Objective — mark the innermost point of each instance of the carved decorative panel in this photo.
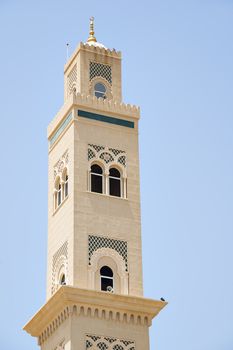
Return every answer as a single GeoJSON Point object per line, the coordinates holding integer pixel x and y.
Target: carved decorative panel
{"type": "Point", "coordinates": [101, 70]}
{"type": "Point", "coordinates": [106, 154]}
{"type": "Point", "coordinates": [94, 342]}
{"type": "Point", "coordinates": [59, 258]}
{"type": "Point", "coordinates": [61, 164]}
{"type": "Point", "coordinates": [97, 242]}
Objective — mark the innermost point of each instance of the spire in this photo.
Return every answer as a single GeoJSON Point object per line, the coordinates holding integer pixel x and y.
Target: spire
{"type": "Point", "coordinates": [91, 33]}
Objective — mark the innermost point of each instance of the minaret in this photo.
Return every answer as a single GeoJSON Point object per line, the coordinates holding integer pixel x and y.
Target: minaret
{"type": "Point", "coordinates": [94, 275]}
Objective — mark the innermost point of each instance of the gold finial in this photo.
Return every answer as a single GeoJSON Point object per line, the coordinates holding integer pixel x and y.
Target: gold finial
{"type": "Point", "coordinates": [91, 33]}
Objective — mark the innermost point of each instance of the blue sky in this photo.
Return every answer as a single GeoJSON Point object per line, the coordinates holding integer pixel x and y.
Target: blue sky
{"type": "Point", "coordinates": [177, 65]}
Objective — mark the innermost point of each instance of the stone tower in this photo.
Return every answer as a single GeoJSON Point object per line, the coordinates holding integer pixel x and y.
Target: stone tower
{"type": "Point", "coordinates": [94, 275]}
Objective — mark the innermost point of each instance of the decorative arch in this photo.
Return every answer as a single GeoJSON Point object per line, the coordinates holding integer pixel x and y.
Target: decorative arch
{"type": "Point", "coordinates": [111, 258]}
{"type": "Point", "coordinates": [99, 79]}
{"type": "Point", "coordinates": [115, 181]}
{"type": "Point", "coordinates": [57, 194]}
{"type": "Point", "coordinates": [117, 166]}
{"type": "Point", "coordinates": [108, 158]}
{"type": "Point", "coordinates": [57, 182]}
{"type": "Point", "coordinates": [65, 182]}
{"type": "Point", "coordinates": [60, 173]}
{"type": "Point", "coordinates": [96, 177]}
{"type": "Point", "coordinates": [97, 162]}
{"type": "Point", "coordinates": [60, 268]}
{"type": "Point", "coordinates": [65, 172]}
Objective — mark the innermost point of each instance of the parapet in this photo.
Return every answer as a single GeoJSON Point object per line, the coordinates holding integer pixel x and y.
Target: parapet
{"type": "Point", "coordinates": [95, 49]}
{"type": "Point", "coordinates": [93, 103]}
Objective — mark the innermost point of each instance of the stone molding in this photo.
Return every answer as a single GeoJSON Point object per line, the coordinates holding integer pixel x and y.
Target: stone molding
{"type": "Point", "coordinates": [69, 301]}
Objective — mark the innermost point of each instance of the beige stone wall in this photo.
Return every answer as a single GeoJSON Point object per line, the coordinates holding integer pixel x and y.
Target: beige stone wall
{"type": "Point", "coordinates": [85, 213]}
{"type": "Point", "coordinates": [85, 325]}
{"type": "Point", "coordinates": [72, 333]}
{"type": "Point", "coordinates": [61, 221]}
{"type": "Point", "coordinates": [102, 215]}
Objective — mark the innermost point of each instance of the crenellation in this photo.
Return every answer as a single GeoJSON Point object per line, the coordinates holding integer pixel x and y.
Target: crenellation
{"type": "Point", "coordinates": [112, 105]}
{"type": "Point", "coordinates": [80, 100]}
{"type": "Point", "coordinates": [100, 50]}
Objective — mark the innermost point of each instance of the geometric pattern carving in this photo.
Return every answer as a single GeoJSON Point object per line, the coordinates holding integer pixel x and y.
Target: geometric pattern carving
{"type": "Point", "coordinates": [100, 70]}
{"type": "Point", "coordinates": [59, 258]}
{"type": "Point", "coordinates": [107, 157]}
{"type": "Point", "coordinates": [106, 154]}
{"type": "Point", "coordinates": [122, 160]}
{"type": "Point", "coordinates": [63, 250]}
{"type": "Point", "coordinates": [94, 342]}
{"type": "Point", "coordinates": [61, 346]}
{"type": "Point", "coordinates": [97, 242]}
{"type": "Point", "coordinates": [72, 79]}
{"type": "Point", "coordinates": [116, 151]}
{"type": "Point", "coordinates": [61, 164]}
{"type": "Point", "coordinates": [97, 148]}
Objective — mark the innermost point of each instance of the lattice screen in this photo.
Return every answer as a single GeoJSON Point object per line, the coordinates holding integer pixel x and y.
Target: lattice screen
{"type": "Point", "coordinates": [97, 242]}
{"type": "Point", "coordinates": [61, 252]}
{"type": "Point", "coordinates": [106, 157]}
{"type": "Point", "coordinates": [97, 148]}
{"type": "Point", "coordinates": [61, 164]}
{"type": "Point", "coordinates": [116, 151]}
{"type": "Point", "coordinates": [101, 70]}
{"type": "Point", "coordinates": [72, 78]}
{"type": "Point", "coordinates": [105, 343]}
{"type": "Point", "coordinates": [108, 154]}
{"type": "Point", "coordinates": [61, 346]}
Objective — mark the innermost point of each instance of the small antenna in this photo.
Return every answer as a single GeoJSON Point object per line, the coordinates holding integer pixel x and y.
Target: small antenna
{"type": "Point", "coordinates": [67, 51]}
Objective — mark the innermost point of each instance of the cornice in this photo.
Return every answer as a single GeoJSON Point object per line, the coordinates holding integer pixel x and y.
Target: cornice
{"type": "Point", "coordinates": [92, 102]}
{"type": "Point", "coordinates": [69, 300]}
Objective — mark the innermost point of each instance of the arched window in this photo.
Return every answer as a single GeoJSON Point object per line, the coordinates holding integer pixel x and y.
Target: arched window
{"type": "Point", "coordinates": [106, 276]}
{"type": "Point", "coordinates": [66, 186]}
{"type": "Point", "coordinates": [96, 178]}
{"type": "Point", "coordinates": [114, 182]}
{"type": "Point", "coordinates": [100, 90]}
{"type": "Point", "coordinates": [59, 195]}
{"type": "Point", "coordinates": [62, 280]}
